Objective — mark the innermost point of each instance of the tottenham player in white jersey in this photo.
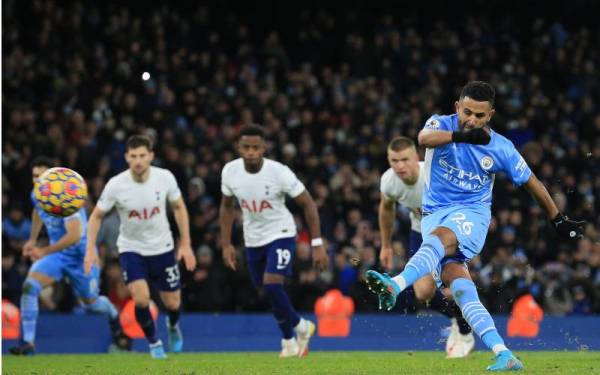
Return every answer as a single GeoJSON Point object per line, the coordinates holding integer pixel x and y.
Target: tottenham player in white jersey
{"type": "Point", "coordinates": [402, 183]}
{"type": "Point", "coordinates": [146, 247]}
{"type": "Point", "coordinates": [260, 186]}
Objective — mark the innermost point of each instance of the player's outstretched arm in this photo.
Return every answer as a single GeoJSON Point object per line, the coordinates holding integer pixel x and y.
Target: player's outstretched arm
{"type": "Point", "coordinates": [185, 243]}
{"type": "Point", "coordinates": [386, 213]}
{"type": "Point", "coordinates": [36, 227]}
{"type": "Point", "coordinates": [226, 217]}
{"type": "Point", "coordinates": [567, 228]}
{"type": "Point", "coordinates": [71, 237]}
{"type": "Point", "coordinates": [92, 233]}
{"type": "Point", "coordinates": [311, 214]}
{"type": "Point", "coordinates": [435, 138]}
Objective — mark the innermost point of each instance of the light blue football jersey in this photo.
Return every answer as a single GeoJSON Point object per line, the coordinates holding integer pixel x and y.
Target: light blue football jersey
{"type": "Point", "coordinates": [462, 173]}
{"type": "Point", "coordinates": [55, 226]}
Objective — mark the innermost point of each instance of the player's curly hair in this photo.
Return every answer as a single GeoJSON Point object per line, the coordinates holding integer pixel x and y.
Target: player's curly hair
{"type": "Point", "coordinates": [480, 91]}
{"type": "Point", "coordinates": [252, 130]}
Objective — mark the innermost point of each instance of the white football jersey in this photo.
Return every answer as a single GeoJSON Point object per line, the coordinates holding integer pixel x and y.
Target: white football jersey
{"type": "Point", "coordinates": [409, 196]}
{"type": "Point", "coordinates": [262, 199]}
{"type": "Point", "coordinates": [142, 208]}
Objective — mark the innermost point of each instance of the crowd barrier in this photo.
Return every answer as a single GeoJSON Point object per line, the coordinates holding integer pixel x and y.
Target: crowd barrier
{"type": "Point", "coordinates": [64, 333]}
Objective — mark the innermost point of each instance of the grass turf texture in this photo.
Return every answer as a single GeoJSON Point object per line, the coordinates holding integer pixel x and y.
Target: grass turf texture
{"type": "Point", "coordinates": [316, 363]}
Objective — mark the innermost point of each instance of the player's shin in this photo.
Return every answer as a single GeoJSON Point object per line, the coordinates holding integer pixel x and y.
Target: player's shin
{"type": "Point", "coordinates": [103, 306]}
{"type": "Point", "coordinates": [465, 295]}
{"type": "Point", "coordinates": [173, 317]}
{"type": "Point", "coordinates": [144, 319]}
{"type": "Point", "coordinates": [285, 314]}
{"type": "Point", "coordinates": [425, 261]}
{"type": "Point", "coordinates": [29, 308]}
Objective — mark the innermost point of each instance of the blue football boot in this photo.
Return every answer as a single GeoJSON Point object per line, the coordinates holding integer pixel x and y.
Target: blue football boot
{"type": "Point", "coordinates": [386, 289]}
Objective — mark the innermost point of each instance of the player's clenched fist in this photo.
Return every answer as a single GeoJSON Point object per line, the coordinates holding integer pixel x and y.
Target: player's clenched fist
{"type": "Point", "coordinates": [567, 228]}
{"type": "Point", "coordinates": [229, 256]}
{"type": "Point", "coordinates": [477, 136]}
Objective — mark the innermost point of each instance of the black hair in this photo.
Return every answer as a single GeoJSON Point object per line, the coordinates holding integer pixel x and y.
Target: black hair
{"type": "Point", "coordinates": [479, 91]}
{"type": "Point", "coordinates": [42, 161]}
{"type": "Point", "coordinates": [136, 141]}
{"type": "Point", "coordinates": [252, 130]}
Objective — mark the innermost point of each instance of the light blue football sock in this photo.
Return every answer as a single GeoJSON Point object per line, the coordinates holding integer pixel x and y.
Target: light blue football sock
{"type": "Point", "coordinates": [103, 306]}
{"type": "Point", "coordinates": [29, 308]}
{"type": "Point", "coordinates": [425, 260]}
{"type": "Point", "coordinates": [465, 295]}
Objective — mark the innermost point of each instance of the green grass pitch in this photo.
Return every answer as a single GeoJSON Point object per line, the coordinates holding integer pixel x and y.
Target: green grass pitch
{"type": "Point", "coordinates": [387, 363]}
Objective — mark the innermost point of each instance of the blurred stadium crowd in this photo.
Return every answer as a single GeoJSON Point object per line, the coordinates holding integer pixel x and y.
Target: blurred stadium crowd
{"type": "Point", "coordinates": [331, 87]}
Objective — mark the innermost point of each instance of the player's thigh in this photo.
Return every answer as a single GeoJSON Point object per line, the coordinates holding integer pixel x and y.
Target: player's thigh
{"type": "Point", "coordinates": [454, 270]}
{"type": "Point", "coordinates": [47, 270]}
{"type": "Point", "coordinates": [280, 257]}
{"type": "Point", "coordinates": [140, 292]}
{"type": "Point", "coordinates": [256, 258]}
{"type": "Point", "coordinates": [134, 267]}
{"type": "Point", "coordinates": [171, 300]}
{"type": "Point", "coordinates": [164, 271]}
{"type": "Point", "coordinates": [85, 286]}
{"type": "Point", "coordinates": [425, 288]}
{"type": "Point", "coordinates": [470, 225]}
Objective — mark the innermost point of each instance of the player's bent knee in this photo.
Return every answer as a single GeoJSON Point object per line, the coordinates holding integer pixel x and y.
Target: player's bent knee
{"type": "Point", "coordinates": [32, 286]}
{"type": "Point", "coordinates": [424, 289]}
{"type": "Point", "coordinates": [171, 300]}
{"type": "Point", "coordinates": [89, 301]}
{"type": "Point", "coordinates": [424, 294]}
{"type": "Point", "coordinates": [453, 271]}
{"type": "Point", "coordinates": [447, 238]}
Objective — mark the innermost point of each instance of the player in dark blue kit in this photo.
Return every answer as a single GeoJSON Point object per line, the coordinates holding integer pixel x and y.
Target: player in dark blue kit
{"type": "Point", "coordinates": [63, 257]}
{"type": "Point", "coordinates": [463, 154]}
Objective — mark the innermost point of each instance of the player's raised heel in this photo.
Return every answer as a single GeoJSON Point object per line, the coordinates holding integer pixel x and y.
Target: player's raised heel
{"type": "Point", "coordinates": [506, 361]}
{"type": "Point", "coordinates": [157, 351]}
{"type": "Point", "coordinates": [24, 348]}
{"type": "Point", "coordinates": [304, 338]}
{"type": "Point", "coordinates": [175, 338]}
{"type": "Point", "coordinates": [384, 287]}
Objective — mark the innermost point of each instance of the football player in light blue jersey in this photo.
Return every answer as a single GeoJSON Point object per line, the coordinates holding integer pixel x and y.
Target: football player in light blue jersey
{"type": "Point", "coordinates": [63, 257]}
{"type": "Point", "coordinates": [463, 155]}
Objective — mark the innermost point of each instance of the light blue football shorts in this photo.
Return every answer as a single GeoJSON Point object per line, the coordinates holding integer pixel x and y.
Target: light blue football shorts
{"type": "Point", "coordinates": [469, 222]}
{"type": "Point", "coordinates": [60, 265]}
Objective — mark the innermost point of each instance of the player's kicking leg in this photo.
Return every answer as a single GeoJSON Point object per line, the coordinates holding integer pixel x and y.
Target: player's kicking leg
{"type": "Point", "coordinates": [429, 291]}
{"type": "Point", "coordinates": [135, 273]}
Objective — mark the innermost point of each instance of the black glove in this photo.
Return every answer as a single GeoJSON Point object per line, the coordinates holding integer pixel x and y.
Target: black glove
{"type": "Point", "coordinates": [476, 136]}
{"type": "Point", "coordinates": [568, 228]}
